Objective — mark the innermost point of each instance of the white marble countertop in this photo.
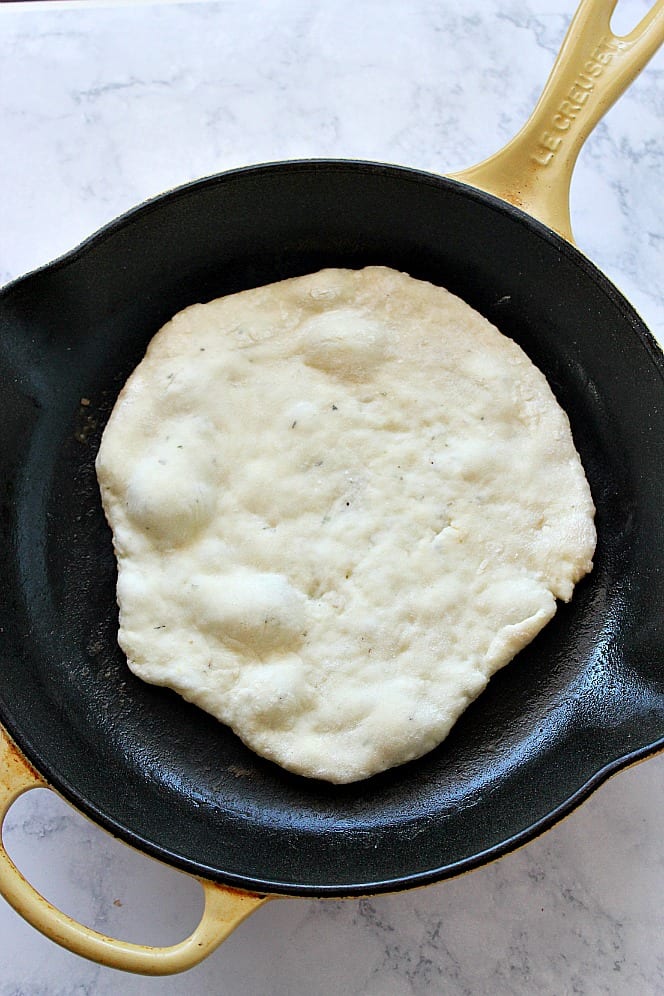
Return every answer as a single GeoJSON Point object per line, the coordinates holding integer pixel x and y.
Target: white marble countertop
{"type": "Point", "coordinates": [102, 106]}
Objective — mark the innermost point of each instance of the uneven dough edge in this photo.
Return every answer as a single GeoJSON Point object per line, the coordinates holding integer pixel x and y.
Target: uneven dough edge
{"type": "Point", "coordinates": [306, 759]}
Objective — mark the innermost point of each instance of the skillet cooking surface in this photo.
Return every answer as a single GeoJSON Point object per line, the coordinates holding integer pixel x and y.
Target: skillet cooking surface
{"type": "Point", "coordinates": [586, 697]}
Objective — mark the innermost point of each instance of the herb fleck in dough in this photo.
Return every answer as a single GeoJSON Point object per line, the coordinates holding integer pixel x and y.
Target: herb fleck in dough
{"type": "Point", "coordinates": [339, 504]}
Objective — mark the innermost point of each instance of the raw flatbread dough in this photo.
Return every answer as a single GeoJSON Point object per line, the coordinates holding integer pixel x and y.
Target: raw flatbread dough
{"type": "Point", "coordinates": [339, 504]}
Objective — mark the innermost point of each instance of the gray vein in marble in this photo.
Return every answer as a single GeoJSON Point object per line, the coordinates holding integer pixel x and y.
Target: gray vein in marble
{"type": "Point", "coordinates": [94, 93]}
{"type": "Point", "coordinates": [547, 31]}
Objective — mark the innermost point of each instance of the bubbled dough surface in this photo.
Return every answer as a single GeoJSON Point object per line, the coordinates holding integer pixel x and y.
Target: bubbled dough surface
{"type": "Point", "coordinates": [339, 504]}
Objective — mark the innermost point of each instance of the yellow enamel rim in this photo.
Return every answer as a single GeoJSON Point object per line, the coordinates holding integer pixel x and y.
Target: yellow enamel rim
{"type": "Point", "coordinates": [533, 172]}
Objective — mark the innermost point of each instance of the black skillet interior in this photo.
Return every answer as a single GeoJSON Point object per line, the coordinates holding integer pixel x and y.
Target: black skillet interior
{"type": "Point", "coordinates": [586, 697]}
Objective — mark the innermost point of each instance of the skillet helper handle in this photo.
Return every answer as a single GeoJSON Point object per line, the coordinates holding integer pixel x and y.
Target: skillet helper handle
{"type": "Point", "coordinates": [224, 908]}
{"type": "Point", "coordinates": [594, 66]}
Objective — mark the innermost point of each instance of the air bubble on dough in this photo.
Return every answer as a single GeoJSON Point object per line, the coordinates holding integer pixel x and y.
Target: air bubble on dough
{"type": "Point", "coordinates": [171, 492]}
{"type": "Point", "coordinates": [262, 610]}
{"type": "Point", "coordinates": [343, 342]}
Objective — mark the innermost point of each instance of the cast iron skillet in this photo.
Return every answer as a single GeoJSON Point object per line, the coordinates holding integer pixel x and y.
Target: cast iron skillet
{"type": "Point", "coordinates": [586, 698]}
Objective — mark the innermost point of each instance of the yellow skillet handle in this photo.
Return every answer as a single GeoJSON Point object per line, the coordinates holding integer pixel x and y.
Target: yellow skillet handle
{"type": "Point", "coordinates": [593, 68]}
{"type": "Point", "coordinates": [224, 908]}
